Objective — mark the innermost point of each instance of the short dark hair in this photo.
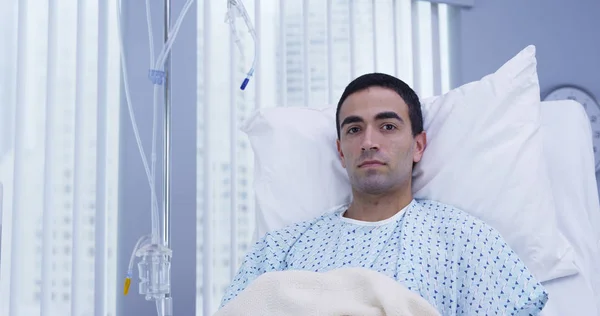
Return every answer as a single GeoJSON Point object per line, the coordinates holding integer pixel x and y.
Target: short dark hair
{"type": "Point", "coordinates": [386, 81]}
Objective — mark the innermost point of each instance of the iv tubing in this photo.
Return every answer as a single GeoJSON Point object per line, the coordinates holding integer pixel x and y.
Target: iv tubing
{"type": "Point", "coordinates": [158, 65]}
{"type": "Point", "coordinates": [242, 11]}
{"type": "Point", "coordinates": [154, 209]}
{"type": "Point", "coordinates": [150, 172]}
{"type": "Point", "coordinates": [140, 243]}
{"type": "Point", "coordinates": [155, 232]}
{"type": "Point", "coordinates": [162, 57]}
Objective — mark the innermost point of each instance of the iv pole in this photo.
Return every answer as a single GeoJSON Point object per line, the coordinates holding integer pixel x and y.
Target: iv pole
{"type": "Point", "coordinates": [167, 135]}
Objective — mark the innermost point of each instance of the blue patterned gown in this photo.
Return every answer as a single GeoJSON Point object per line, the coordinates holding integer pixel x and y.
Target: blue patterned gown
{"type": "Point", "coordinates": [457, 263]}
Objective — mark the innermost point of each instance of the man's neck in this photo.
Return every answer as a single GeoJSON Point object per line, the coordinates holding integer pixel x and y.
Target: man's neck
{"type": "Point", "coordinates": [373, 208]}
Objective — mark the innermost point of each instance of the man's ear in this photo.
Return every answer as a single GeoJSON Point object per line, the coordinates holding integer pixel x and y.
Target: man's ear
{"type": "Point", "coordinates": [420, 144]}
{"type": "Point", "coordinates": [340, 153]}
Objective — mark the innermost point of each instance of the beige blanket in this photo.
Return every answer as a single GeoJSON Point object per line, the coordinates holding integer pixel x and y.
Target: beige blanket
{"type": "Point", "coordinates": [346, 291]}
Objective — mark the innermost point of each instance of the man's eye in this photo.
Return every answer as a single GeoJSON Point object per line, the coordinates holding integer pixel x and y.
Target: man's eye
{"type": "Point", "coordinates": [353, 130]}
{"type": "Point", "coordinates": [389, 127]}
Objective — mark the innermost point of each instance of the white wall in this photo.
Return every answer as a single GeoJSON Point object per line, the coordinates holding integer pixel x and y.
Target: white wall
{"type": "Point", "coordinates": [564, 32]}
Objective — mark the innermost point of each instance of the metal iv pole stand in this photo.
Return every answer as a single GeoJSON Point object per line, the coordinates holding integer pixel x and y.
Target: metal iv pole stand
{"type": "Point", "coordinates": [167, 137]}
{"type": "Point", "coordinates": [167, 133]}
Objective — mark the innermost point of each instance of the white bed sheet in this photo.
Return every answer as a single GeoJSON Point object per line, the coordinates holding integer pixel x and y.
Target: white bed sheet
{"type": "Point", "coordinates": [568, 146]}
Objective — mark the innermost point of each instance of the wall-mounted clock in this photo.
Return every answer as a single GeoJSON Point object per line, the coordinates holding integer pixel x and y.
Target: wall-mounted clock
{"type": "Point", "coordinates": [591, 106]}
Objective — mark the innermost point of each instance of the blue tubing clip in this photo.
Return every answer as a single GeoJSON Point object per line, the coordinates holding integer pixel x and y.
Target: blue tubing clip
{"type": "Point", "coordinates": [245, 83]}
{"type": "Point", "coordinates": [156, 76]}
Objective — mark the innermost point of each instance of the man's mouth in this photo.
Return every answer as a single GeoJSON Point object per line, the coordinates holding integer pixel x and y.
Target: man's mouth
{"type": "Point", "coordinates": [370, 163]}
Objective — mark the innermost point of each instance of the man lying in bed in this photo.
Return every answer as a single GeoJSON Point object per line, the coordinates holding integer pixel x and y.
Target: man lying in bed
{"type": "Point", "coordinates": [457, 263]}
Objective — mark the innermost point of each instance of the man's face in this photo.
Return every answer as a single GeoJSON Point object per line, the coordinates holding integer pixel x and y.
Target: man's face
{"type": "Point", "coordinates": [376, 144]}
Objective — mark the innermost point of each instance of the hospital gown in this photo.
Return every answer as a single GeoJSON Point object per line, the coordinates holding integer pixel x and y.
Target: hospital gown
{"type": "Point", "coordinates": [457, 263]}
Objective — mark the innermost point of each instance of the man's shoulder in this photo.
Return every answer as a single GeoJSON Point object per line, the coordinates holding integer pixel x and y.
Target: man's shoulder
{"type": "Point", "coordinates": [449, 228]}
{"type": "Point", "coordinates": [449, 217]}
{"type": "Point", "coordinates": [435, 209]}
{"type": "Point", "coordinates": [300, 227]}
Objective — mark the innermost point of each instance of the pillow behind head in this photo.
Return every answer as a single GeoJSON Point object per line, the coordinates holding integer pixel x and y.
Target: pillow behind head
{"type": "Point", "coordinates": [298, 174]}
{"type": "Point", "coordinates": [484, 155]}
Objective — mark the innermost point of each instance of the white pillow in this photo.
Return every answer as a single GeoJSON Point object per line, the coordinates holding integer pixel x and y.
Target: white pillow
{"type": "Point", "coordinates": [484, 155]}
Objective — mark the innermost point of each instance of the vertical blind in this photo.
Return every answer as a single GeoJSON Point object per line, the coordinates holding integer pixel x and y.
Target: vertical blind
{"type": "Point", "coordinates": [308, 51]}
{"type": "Point", "coordinates": [59, 140]}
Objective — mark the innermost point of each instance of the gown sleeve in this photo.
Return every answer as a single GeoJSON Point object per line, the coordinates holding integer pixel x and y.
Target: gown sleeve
{"type": "Point", "coordinates": [493, 279]}
{"type": "Point", "coordinates": [267, 255]}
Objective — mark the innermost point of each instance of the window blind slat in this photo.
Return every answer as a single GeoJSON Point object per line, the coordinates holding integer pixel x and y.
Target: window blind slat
{"type": "Point", "coordinates": [207, 216]}
{"type": "Point", "coordinates": [19, 213]}
{"type": "Point", "coordinates": [258, 74]}
{"type": "Point", "coordinates": [329, 52]}
{"type": "Point", "coordinates": [78, 238]}
{"type": "Point", "coordinates": [435, 36]}
{"type": "Point", "coordinates": [352, 23]}
{"type": "Point", "coordinates": [233, 128]}
{"type": "Point", "coordinates": [282, 54]}
{"type": "Point", "coordinates": [416, 58]}
{"type": "Point", "coordinates": [375, 37]}
{"type": "Point", "coordinates": [49, 164]}
{"type": "Point", "coordinates": [100, 255]}
{"type": "Point", "coordinates": [305, 51]}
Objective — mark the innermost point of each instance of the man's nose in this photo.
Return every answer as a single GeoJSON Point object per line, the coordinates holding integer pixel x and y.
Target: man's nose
{"type": "Point", "coordinates": [369, 141]}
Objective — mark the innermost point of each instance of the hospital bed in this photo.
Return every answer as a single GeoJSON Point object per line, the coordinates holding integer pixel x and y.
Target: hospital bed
{"type": "Point", "coordinates": [526, 169]}
{"type": "Point", "coordinates": [568, 148]}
